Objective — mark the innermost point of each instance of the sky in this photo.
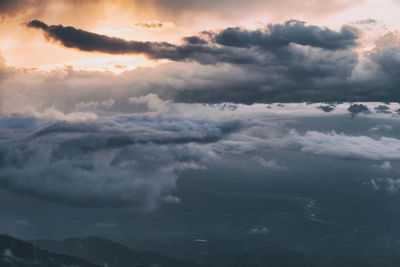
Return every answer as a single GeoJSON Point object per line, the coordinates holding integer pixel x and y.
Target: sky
{"type": "Point", "coordinates": [258, 118]}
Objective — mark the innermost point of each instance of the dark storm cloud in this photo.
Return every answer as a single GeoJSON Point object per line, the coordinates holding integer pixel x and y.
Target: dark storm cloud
{"type": "Point", "coordinates": [280, 35]}
{"type": "Point", "coordinates": [358, 108]}
{"type": "Point", "coordinates": [194, 40]}
{"type": "Point", "coordinates": [87, 41]}
{"type": "Point", "coordinates": [254, 43]}
{"type": "Point", "coordinates": [121, 161]}
{"type": "Point", "coordinates": [289, 62]}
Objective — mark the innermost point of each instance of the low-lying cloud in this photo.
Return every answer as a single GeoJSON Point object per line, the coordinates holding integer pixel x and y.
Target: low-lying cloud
{"type": "Point", "coordinates": [121, 161]}
{"type": "Point", "coordinates": [344, 146]}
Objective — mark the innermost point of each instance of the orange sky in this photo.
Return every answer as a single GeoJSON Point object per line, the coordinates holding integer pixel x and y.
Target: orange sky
{"type": "Point", "coordinates": [27, 48]}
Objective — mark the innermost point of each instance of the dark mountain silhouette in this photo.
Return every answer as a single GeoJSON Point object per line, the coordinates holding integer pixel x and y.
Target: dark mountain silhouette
{"type": "Point", "coordinates": [17, 253]}
{"type": "Point", "coordinates": [109, 253]}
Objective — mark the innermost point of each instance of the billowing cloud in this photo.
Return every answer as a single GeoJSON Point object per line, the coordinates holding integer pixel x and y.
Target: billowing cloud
{"type": "Point", "coordinates": [133, 160]}
{"type": "Point", "coordinates": [121, 161]}
{"type": "Point", "coordinates": [289, 62]}
{"type": "Point", "coordinates": [281, 35]}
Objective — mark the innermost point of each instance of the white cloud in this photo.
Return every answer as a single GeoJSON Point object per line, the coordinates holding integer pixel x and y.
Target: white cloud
{"type": "Point", "coordinates": [341, 145]}
{"type": "Point", "coordinates": [171, 199]}
{"type": "Point", "coordinates": [152, 102]}
{"type": "Point", "coordinates": [384, 166]}
{"type": "Point", "coordinates": [389, 185]}
{"type": "Point", "coordinates": [272, 164]}
{"type": "Point", "coordinates": [379, 127]}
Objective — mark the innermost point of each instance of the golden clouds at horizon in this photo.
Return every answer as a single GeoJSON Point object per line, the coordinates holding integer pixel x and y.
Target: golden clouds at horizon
{"type": "Point", "coordinates": [132, 20]}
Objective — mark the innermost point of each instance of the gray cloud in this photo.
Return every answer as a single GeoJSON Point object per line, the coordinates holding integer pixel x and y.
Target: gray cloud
{"type": "Point", "coordinates": [280, 35]}
{"type": "Point", "coordinates": [365, 21]}
{"type": "Point", "coordinates": [121, 161]}
{"type": "Point", "coordinates": [133, 160]}
{"type": "Point", "coordinates": [273, 38]}
{"type": "Point", "coordinates": [87, 41]}
{"type": "Point", "coordinates": [285, 68]}
{"type": "Point", "coordinates": [383, 109]}
{"type": "Point", "coordinates": [355, 109]}
{"type": "Point", "coordinates": [327, 108]}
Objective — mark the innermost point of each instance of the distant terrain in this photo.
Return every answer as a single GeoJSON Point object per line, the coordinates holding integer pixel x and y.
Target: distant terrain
{"type": "Point", "coordinates": [87, 252]}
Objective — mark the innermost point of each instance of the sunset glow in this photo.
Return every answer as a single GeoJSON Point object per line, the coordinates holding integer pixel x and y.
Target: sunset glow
{"type": "Point", "coordinates": [207, 133]}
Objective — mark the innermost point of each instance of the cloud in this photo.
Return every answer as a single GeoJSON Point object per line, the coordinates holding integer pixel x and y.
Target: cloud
{"type": "Point", "coordinates": [389, 185]}
{"type": "Point", "coordinates": [151, 24]}
{"type": "Point", "coordinates": [383, 109]}
{"type": "Point", "coordinates": [151, 102]}
{"type": "Point", "coordinates": [288, 62]}
{"type": "Point", "coordinates": [270, 39]}
{"type": "Point", "coordinates": [355, 109]}
{"type": "Point", "coordinates": [133, 160]}
{"type": "Point", "coordinates": [270, 164]}
{"type": "Point", "coordinates": [259, 231]}
{"type": "Point", "coordinates": [386, 166]}
{"type": "Point", "coordinates": [365, 21]}
{"type": "Point", "coordinates": [344, 146]}
{"type": "Point", "coordinates": [171, 199]}
{"type": "Point", "coordinates": [92, 42]}
{"type": "Point", "coordinates": [22, 222]}
{"type": "Point", "coordinates": [385, 127]}
{"type": "Point", "coordinates": [281, 35]}
{"type": "Point", "coordinates": [124, 161]}
{"type": "Point", "coordinates": [328, 108]}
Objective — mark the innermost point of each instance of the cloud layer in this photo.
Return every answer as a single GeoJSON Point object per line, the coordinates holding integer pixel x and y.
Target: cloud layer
{"type": "Point", "coordinates": [289, 62]}
{"type": "Point", "coordinates": [124, 161]}
{"type": "Point", "coordinates": [133, 160]}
